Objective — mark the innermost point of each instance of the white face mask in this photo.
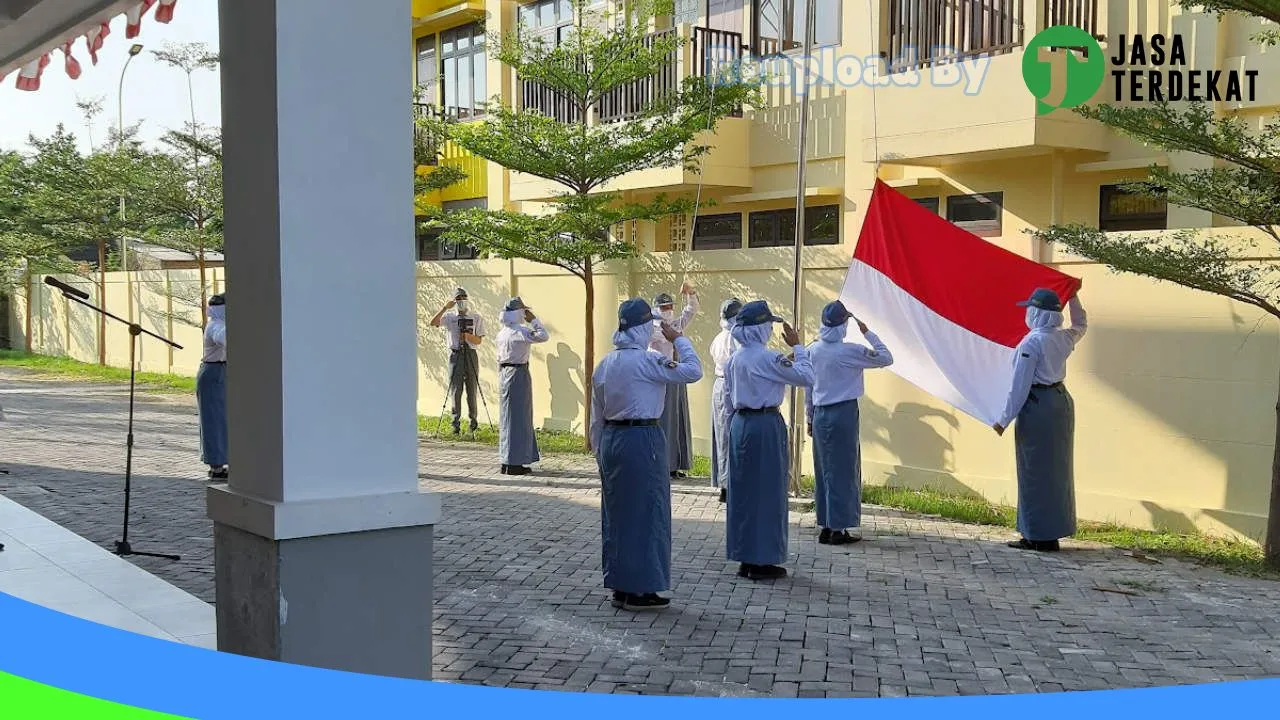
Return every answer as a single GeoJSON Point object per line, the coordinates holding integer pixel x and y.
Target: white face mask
{"type": "Point", "coordinates": [462, 307]}
{"type": "Point", "coordinates": [667, 315]}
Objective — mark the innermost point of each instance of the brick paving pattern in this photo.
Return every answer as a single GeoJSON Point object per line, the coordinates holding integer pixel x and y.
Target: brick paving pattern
{"type": "Point", "coordinates": [922, 607]}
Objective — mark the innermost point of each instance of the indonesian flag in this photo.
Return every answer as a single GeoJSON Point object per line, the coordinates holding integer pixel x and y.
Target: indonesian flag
{"type": "Point", "coordinates": [944, 301]}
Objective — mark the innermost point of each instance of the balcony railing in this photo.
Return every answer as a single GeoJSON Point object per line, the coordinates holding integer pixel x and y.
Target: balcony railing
{"type": "Point", "coordinates": [711, 52]}
{"type": "Point", "coordinates": [924, 33]}
{"type": "Point", "coordinates": [426, 146]}
{"type": "Point", "coordinates": [1080, 13]}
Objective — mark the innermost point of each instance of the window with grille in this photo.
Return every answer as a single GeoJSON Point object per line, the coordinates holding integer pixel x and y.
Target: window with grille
{"type": "Point", "coordinates": [930, 203]}
{"type": "Point", "coordinates": [678, 239]}
{"type": "Point", "coordinates": [777, 228]}
{"type": "Point", "coordinates": [718, 232]}
{"type": "Point", "coordinates": [979, 214]}
{"type": "Point", "coordinates": [1120, 209]}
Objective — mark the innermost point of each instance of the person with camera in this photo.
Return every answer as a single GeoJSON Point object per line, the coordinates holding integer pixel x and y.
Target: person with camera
{"type": "Point", "coordinates": [466, 332]}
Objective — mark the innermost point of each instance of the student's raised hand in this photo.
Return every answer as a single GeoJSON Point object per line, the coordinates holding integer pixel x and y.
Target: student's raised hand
{"type": "Point", "coordinates": [449, 305]}
{"type": "Point", "coordinates": [687, 289]}
{"type": "Point", "coordinates": [669, 332]}
{"type": "Point", "coordinates": [862, 327]}
{"type": "Point", "coordinates": [528, 315]}
{"type": "Point", "coordinates": [998, 428]}
{"type": "Point", "coordinates": [789, 335]}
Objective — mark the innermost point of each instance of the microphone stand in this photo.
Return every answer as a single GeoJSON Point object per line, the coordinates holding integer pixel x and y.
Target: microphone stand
{"type": "Point", "coordinates": [123, 548]}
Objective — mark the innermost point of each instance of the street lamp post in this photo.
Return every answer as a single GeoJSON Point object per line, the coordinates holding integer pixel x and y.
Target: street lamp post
{"type": "Point", "coordinates": [134, 50]}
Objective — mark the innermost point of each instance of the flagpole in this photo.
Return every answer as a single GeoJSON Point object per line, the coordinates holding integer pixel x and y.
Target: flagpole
{"type": "Point", "coordinates": [797, 300]}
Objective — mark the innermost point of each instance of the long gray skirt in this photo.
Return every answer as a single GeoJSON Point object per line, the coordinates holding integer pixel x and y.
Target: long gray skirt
{"type": "Point", "coordinates": [635, 509]}
{"type": "Point", "coordinates": [837, 465]}
{"type": "Point", "coordinates": [719, 439]}
{"type": "Point", "coordinates": [675, 425]}
{"type": "Point", "coordinates": [1044, 437]}
{"type": "Point", "coordinates": [756, 525]}
{"type": "Point", "coordinates": [211, 401]}
{"type": "Point", "coordinates": [517, 444]}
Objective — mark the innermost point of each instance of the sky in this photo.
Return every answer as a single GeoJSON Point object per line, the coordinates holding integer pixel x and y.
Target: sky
{"type": "Point", "coordinates": [154, 93]}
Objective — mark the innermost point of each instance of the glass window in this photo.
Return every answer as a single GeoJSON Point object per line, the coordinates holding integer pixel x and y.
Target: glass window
{"type": "Point", "coordinates": [687, 11]}
{"type": "Point", "coordinates": [428, 70]}
{"type": "Point", "coordinates": [718, 232]}
{"type": "Point", "coordinates": [777, 228]}
{"type": "Point", "coordinates": [930, 203]}
{"type": "Point", "coordinates": [979, 214]}
{"type": "Point", "coordinates": [463, 70]}
{"type": "Point", "coordinates": [780, 24]}
{"type": "Point", "coordinates": [1122, 210]}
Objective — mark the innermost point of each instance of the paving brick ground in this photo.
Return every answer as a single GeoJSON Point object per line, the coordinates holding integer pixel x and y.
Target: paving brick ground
{"type": "Point", "coordinates": [923, 607]}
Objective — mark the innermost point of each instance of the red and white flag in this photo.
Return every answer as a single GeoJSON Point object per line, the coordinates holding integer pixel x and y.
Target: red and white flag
{"type": "Point", "coordinates": [944, 301]}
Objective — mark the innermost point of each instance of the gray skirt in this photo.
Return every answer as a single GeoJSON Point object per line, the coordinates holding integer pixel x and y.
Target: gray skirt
{"type": "Point", "coordinates": [1044, 437]}
{"type": "Point", "coordinates": [719, 439]}
{"type": "Point", "coordinates": [675, 425]}
{"type": "Point", "coordinates": [517, 444]}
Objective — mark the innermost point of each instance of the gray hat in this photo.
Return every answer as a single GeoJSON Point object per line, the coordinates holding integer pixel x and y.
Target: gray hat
{"type": "Point", "coordinates": [730, 308]}
{"type": "Point", "coordinates": [756, 312]}
{"type": "Point", "coordinates": [515, 303]}
{"type": "Point", "coordinates": [459, 293]}
{"type": "Point", "coordinates": [663, 299]}
{"type": "Point", "coordinates": [219, 299]}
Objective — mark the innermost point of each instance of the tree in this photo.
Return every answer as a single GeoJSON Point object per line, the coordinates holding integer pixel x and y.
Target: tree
{"type": "Point", "coordinates": [608, 53]}
{"type": "Point", "coordinates": [90, 108]}
{"type": "Point", "coordinates": [1243, 185]}
{"type": "Point", "coordinates": [191, 58]}
{"type": "Point", "coordinates": [73, 199]}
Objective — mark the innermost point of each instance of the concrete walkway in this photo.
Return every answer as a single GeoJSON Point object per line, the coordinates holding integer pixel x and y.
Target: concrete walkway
{"type": "Point", "coordinates": [923, 607]}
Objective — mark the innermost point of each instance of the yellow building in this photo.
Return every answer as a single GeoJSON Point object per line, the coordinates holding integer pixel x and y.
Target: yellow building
{"type": "Point", "coordinates": [953, 125]}
{"type": "Point", "coordinates": [1175, 389]}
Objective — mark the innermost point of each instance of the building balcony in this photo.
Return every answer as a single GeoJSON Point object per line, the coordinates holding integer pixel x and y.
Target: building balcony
{"type": "Point", "coordinates": [705, 53]}
{"type": "Point", "coordinates": [430, 153]}
{"type": "Point", "coordinates": [963, 59]}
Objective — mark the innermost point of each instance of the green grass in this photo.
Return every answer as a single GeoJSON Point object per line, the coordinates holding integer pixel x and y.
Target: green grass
{"type": "Point", "coordinates": [47, 366]}
{"type": "Point", "coordinates": [1233, 556]}
{"type": "Point", "coordinates": [1227, 554]}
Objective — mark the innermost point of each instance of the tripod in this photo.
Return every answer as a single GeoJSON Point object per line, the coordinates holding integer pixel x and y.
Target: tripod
{"type": "Point", "coordinates": [123, 548]}
{"type": "Point", "coordinates": [470, 363]}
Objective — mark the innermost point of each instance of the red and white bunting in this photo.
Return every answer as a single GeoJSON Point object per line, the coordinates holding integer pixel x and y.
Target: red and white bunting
{"type": "Point", "coordinates": [29, 75]}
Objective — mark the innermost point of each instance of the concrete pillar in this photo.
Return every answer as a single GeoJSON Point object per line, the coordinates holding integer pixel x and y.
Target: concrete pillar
{"type": "Point", "coordinates": [322, 539]}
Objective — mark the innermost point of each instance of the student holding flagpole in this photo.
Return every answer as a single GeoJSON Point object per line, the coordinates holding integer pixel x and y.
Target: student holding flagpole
{"type": "Point", "coordinates": [1045, 413]}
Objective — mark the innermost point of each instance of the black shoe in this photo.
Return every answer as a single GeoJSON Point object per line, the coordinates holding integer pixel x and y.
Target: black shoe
{"type": "Point", "coordinates": [619, 599]}
{"type": "Point", "coordinates": [474, 426]}
{"type": "Point", "coordinates": [1, 547]}
{"type": "Point", "coordinates": [519, 470]}
{"type": "Point", "coordinates": [724, 495]}
{"type": "Point", "coordinates": [506, 470]}
{"type": "Point", "coordinates": [457, 429]}
{"type": "Point", "coordinates": [640, 603]}
{"type": "Point", "coordinates": [1036, 545]}
{"type": "Point", "coordinates": [824, 537]}
{"type": "Point", "coordinates": [216, 474]}
{"type": "Point", "coordinates": [843, 538]}
{"type": "Point", "coordinates": [761, 572]}
{"type": "Point", "coordinates": [677, 475]}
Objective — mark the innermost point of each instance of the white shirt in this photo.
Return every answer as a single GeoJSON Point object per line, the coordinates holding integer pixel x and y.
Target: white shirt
{"type": "Point", "coordinates": [722, 349]}
{"type": "Point", "coordinates": [515, 342]}
{"type": "Point", "coordinates": [1041, 358]}
{"type": "Point", "coordinates": [215, 335]}
{"type": "Point", "coordinates": [449, 321]}
{"type": "Point", "coordinates": [630, 383]}
{"type": "Point", "coordinates": [658, 341]}
{"type": "Point", "coordinates": [838, 367]}
{"type": "Point", "coordinates": [756, 377]}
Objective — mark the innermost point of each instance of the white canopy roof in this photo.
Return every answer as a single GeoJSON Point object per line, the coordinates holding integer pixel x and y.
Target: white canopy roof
{"type": "Point", "coordinates": [35, 32]}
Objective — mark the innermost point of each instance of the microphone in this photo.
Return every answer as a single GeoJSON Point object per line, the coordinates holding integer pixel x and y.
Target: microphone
{"type": "Point", "coordinates": [65, 288]}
